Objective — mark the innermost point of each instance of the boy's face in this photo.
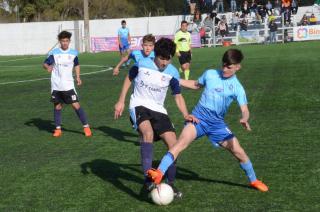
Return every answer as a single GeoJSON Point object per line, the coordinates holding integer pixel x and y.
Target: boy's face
{"type": "Point", "coordinates": [147, 47]}
{"type": "Point", "coordinates": [184, 27]}
{"type": "Point", "coordinates": [123, 25]}
{"type": "Point", "coordinates": [162, 62]}
{"type": "Point", "coordinates": [64, 43]}
{"type": "Point", "coordinates": [230, 70]}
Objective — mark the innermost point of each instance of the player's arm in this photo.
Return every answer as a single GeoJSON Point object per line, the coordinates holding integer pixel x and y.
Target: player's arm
{"type": "Point", "coordinates": [119, 106]}
{"type": "Point", "coordinates": [116, 69]}
{"type": "Point", "coordinates": [192, 84]}
{"type": "Point", "coordinates": [77, 71]}
{"type": "Point", "coordinates": [176, 40]}
{"type": "Point", "coordinates": [48, 63]}
{"type": "Point", "coordinates": [119, 41]}
{"type": "Point", "coordinates": [129, 38]}
{"type": "Point", "coordinates": [244, 121]}
{"type": "Point", "coordinates": [181, 104]}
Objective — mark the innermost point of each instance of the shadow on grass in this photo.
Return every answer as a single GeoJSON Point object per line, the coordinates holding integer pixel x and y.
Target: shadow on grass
{"type": "Point", "coordinates": [46, 125]}
{"type": "Point", "coordinates": [116, 173]}
{"type": "Point", "coordinates": [119, 134]}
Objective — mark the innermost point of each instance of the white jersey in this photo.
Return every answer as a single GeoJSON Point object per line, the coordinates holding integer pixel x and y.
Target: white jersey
{"type": "Point", "coordinates": [151, 85]}
{"type": "Point", "coordinates": [63, 63]}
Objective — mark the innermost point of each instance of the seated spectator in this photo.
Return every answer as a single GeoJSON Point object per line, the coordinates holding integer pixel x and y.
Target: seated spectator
{"type": "Point", "coordinates": [192, 4]}
{"type": "Point", "coordinates": [208, 23]}
{"type": "Point", "coordinates": [223, 29]}
{"type": "Point", "coordinates": [219, 4]}
{"type": "Point", "coordinates": [277, 7]}
{"type": "Point", "coordinates": [235, 21]}
{"type": "Point", "coordinates": [312, 20]}
{"type": "Point", "coordinates": [213, 15]}
{"type": "Point", "coordinates": [243, 24]}
{"type": "Point", "coordinates": [294, 7]}
{"type": "Point", "coordinates": [304, 20]}
{"type": "Point", "coordinates": [245, 8]}
{"type": "Point", "coordinates": [253, 8]}
{"type": "Point", "coordinates": [269, 7]}
{"type": "Point", "coordinates": [262, 12]}
{"type": "Point", "coordinates": [197, 18]}
{"type": "Point", "coordinates": [202, 33]}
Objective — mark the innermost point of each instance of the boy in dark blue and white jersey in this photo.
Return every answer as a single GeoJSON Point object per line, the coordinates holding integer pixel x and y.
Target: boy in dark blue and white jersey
{"type": "Point", "coordinates": [221, 87]}
{"type": "Point", "coordinates": [148, 42]}
{"type": "Point", "coordinates": [151, 82]}
{"type": "Point", "coordinates": [60, 63]}
{"type": "Point", "coordinates": [124, 39]}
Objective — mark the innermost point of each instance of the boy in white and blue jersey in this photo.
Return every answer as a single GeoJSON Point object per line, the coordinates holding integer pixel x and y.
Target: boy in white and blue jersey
{"type": "Point", "coordinates": [124, 39]}
{"type": "Point", "coordinates": [221, 87]}
{"type": "Point", "coordinates": [148, 42]}
{"type": "Point", "coordinates": [60, 63]}
{"type": "Point", "coordinates": [152, 79]}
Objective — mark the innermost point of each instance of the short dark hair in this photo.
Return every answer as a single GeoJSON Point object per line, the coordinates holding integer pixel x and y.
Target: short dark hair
{"type": "Point", "coordinates": [149, 38]}
{"type": "Point", "coordinates": [184, 22]}
{"type": "Point", "coordinates": [232, 56]}
{"type": "Point", "coordinates": [165, 48]}
{"type": "Point", "coordinates": [64, 34]}
{"type": "Point", "coordinates": [123, 22]}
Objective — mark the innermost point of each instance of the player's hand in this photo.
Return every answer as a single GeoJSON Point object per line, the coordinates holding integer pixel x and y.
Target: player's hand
{"type": "Point", "coordinates": [49, 69]}
{"type": "Point", "coordinates": [191, 118]}
{"type": "Point", "coordinates": [118, 109]}
{"type": "Point", "coordinates": [116, 71]}
{"type": "Point", "coordinates": [79, 82]}
{"type": "Point", "coordinates": [245, 124]}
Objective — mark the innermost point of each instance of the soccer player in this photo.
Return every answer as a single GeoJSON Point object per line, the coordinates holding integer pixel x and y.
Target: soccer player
{"type": "Point", "coordinates": [148, 42]}
{"type": "Point", "coordinates": [183, 40]}
{"type": "Point", "coordinates": [124, 39]}
{"type": "Point", "coordinates": [221, 87]}
{"type": "Point", "coordinates": [152, 79]}
{"type": "Point", "coordinates": [60, 63]}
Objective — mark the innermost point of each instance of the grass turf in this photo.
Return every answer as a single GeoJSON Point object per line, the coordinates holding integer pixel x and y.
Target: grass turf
{"type": "Point", "coordinates": [103, 173]}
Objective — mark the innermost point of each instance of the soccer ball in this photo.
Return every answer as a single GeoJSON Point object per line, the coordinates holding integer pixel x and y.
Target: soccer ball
{"type": "Point", "coordinates": [162, 195]}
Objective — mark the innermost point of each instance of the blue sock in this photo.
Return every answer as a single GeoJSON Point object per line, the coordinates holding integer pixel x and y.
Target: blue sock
{"type": "Point", "coordinates": [166, 162]}
{"type": "Point", "coordinates": [248, 169]}
{"type": "Point", "coordinates": [82, 116]}
{"type": "Point", "coordinates": [146, 152]}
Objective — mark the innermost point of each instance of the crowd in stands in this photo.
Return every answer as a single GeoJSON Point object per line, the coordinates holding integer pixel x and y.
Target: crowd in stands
{"type": "Point", "coordinates": [249, 12]}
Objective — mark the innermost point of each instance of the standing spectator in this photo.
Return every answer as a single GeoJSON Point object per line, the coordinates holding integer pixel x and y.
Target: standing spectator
{"type": "Point", "coordinates": [243, 23]}
{"type": "Point", "coordinates": [277, 7]}
{"type": "Point", "coordinates": [253, 8]}
{"type": "Point", "coordinates": [223, 29]}
{"type": "Point", "coordinates": [269, 7]}
{"type": "Point", "coordinates": [273, 31]}
{"type": "Point", "coordinates": [197, 18]}
{"type": "Point", "coordinates": [294, 7]}
{"type": "Point", "coordinates": [245, 8]}
{"type": "Point", "coordinates": [312, 20]}
{"type": "Point", "coordinates": [304, 20]}
{"type": "Point", "coordinates": [235, 21]}
{"type": "Point", "coordinates": [262, 12]}
{"type": "Point", "coordinates": [286, 9]}
{"type": "Point", "coordinates": [192, 4]}
{"type": "Point", "coordinates": [233, 5]}
{"type": "Point", "coordinates": [220, 8]}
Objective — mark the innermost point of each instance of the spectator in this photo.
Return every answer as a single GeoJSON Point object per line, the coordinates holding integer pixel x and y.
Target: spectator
{"type": "Point", "coordinates": [220, 8]}
{"type": "Point", "coordinates": [286, 9]}
{"type": "Point", "coordinates": [262, 12]}
{"type": "Point", "coordinates": [294, 7]}
{"type": "Point", "coordinates": [202, 33]}
{"type": "Point", "coordinates": [197, 18]}
{"type": "Point", "coordinates": [271, 17]}
{"type": "Point", "coordinates": [253, 8]}
{"type": "Point", "coordinates": [273, 31]}
{"type": "Point", "coordinates": [235, 21]}
{"type": "Point", "coordinates": [245, 8]}
{"type": "Point", "coordinates": [223, 29]}
{"type": "Point", "coordinates": [269, 7]}
{"type": "Point", "coordinates": [243, 23]}
{"type": "Point", "coordinates": [277, 7]}
{"type": "Point", "coordinates": [233, 5]}
{"type": "Point", "coordinates": [208, 5]}
{"type": "Point", "coordinates": [304, 20]}
{"type": "Point", "coordinates": [312, 20]}
{"type": "Point", "coordinates": [214, 17]}
{"type": "Point", "coordinates": [192, 4]}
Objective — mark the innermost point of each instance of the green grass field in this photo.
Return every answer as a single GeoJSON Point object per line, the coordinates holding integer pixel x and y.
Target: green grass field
{"type": "Point", "coordinates": [103, 173]}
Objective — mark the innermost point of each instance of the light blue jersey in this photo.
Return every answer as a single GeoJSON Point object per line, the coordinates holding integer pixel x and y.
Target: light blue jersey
{"type": "Point", "coordinates": [137, 55]}
{"type": "Point", "coordinates": [124, 34]}
{"type": "Point", "coordinates": [218, 94]}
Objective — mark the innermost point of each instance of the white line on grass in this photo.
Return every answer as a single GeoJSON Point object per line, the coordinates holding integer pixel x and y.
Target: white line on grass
{"type": "Point", "coordinates": [40, 79]}
{"type": "Point", "coordinates": [13, 60]}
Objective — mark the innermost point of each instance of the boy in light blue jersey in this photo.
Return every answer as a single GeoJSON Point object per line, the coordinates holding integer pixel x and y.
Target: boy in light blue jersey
{"type": "Point", "coordinates": [221, 87]}
{"type": "Point", "coordinates": [148, 42]}
{"type": "Point", "coordinates": [124, 39]}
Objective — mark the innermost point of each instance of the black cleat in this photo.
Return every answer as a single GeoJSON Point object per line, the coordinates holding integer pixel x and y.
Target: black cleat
{"type": "Point", "coordinates": [177, 193]}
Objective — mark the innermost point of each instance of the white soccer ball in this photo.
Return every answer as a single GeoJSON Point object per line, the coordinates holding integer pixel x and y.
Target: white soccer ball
{"type": "Point", "coordinates": [162, 195]}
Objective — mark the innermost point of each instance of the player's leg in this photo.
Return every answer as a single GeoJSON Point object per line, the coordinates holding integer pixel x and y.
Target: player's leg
{"type": "Point", "coordinates": [57, 119]}
{"type": "Point", "coordinates": [188, 134]}
{"type": "Point", "coordinates": [238, 152]}
{"type": "Point", "coordinates": [186, 70]}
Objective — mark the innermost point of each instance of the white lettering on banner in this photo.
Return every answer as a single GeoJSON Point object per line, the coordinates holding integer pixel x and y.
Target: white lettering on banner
{"type": "Point", "coordinates": [306, 33]}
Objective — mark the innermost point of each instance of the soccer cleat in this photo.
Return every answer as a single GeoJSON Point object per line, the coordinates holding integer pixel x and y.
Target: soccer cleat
{"type": "Point", "coordinates": [177, 193]}
{"type": "Point", "coordinates": [57, 133]}
{"type": "Point", "coordinates": [257, 184]}
{"type": "Point", "coordinates": [87, 131]}
{"type": "Point", "coordinates": [155, 175]}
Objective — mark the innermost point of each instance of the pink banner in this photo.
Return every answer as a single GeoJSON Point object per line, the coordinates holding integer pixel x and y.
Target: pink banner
{"type": "Point", "coordinates": [101, 44]}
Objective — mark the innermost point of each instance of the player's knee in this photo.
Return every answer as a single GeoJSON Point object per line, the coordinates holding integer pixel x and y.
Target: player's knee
{"type": "Point", "coordinates": [148, 136]}
{"type": "Point", "coordinates": [58, 107]}
{"type": "Point", "coordinates": [76, 106]}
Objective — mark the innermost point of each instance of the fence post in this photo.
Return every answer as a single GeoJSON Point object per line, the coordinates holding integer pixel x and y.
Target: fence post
{"type": "Point", "coordinates": [282, 17]}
